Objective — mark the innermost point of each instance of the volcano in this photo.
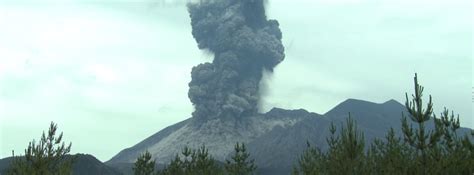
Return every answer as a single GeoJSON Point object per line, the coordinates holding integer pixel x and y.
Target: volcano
{"type": "Point", "coordinates": [226, 92]}
{"type": "Point", "coordinates": [275, 139]}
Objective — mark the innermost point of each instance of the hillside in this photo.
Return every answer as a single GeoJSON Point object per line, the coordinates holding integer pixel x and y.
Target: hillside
{"type": "Point", "coordinates": [274, 139]}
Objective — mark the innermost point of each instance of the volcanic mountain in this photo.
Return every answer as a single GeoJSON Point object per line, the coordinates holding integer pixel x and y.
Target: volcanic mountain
{"type": "Point", "coordinates": [275, 139]}
{"type": "Point", "coordinates": [226, 92]}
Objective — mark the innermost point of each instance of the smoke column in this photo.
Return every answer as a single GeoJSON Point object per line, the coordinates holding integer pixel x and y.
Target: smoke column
{"type": "Point", "coordinates": [244, 44]}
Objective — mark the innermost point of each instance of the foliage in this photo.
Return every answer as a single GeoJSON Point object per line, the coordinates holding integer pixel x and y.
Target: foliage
{"type": "Point", "coordinates": [240, 165]}
{"type": "Point", "coordinates": [391, 156]}
{"type": "Point", "coordinates": [144, 165]}
{"type": "Point", "coordinates": [312, 161]}
{"type": "Point", "coordinates": [420, 151]}
{"type": "Point", "coordinates": [193, 162]}
{"type": "Point", "coordinates": [345, 154]}
{"type": "Point", "coordinates": [47, 157]}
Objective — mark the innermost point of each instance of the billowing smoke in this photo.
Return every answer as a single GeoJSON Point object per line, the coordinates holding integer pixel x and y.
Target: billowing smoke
{"type": "Point", "coordinates": [244, 44]}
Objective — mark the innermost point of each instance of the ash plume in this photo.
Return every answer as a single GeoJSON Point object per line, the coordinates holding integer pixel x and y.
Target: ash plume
{"type": "Point", "coordinates": [244, 44]}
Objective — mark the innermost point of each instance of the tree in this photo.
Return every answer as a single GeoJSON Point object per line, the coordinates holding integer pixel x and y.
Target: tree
{"type": "Point", "coordinates": [144, 165]}
{"type": "Point", "coordinates": [437, 151]}
{"type": "Point", "coordinates": [422, 151]}
{"type": "Point", "coordinates": [417, 137]}
{"type": "Point", "coordinates": [174, 168]}
{"type": "Point", "coordinates": [391, 156]}
{"type": "Point", "coordinates": [344, 156]}
{"type": "Point", "coordinates": [203, 163]}
{"type": "Point", "coordinates": [453, 154]}
{"type": "Point", "coordinates": [240, 165]}
{"type": "Point", "coordinates": [312, 162]}
{"type": "Point", "coordinates": [47, 157]}
{"type": "Point", "coordinates": [193, 162]}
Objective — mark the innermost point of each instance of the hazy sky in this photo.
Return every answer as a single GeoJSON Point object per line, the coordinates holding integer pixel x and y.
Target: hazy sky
{"type": "Point", "coordinates": [113, 72]}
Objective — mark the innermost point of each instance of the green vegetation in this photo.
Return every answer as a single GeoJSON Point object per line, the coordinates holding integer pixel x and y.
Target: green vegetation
{"type": "Point", "coordinates": [422, 151]}
{"type": "Point", "coordinates": [144, 165]}
{"type": "Point", "coordinates": [193, 162]}
{"type": "Point", "coordinates": [240, 163]}
{"type": "Point", "coordinates": [345, 154]}
{"type": "Point", "coordinates": [47, 157]}
{"type": "Point", "coordinates": [198, 162]}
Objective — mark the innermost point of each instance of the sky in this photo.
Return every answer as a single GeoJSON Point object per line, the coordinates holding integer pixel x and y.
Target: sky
{"type": "Point", "coordinates": [111, 73]}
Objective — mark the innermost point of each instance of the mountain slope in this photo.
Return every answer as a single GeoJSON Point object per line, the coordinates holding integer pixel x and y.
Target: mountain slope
{"type": "Point", "coordinates": [276, 151]}
{"type": "Point", "coordinates": [367, 114]}
{"type": "Point", "coordinates": [275, 139]}
{"type": "Point", "coordinates": [219, 135]}
{"type": "Point", "coordinates": [132, 153]}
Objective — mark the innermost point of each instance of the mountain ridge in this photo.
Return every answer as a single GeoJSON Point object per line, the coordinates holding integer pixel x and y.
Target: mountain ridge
{"type": "Point", "coordinates": [279, 135]}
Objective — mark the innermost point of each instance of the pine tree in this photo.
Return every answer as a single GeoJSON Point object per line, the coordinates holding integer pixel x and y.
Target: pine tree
{"type": "Point", "coordinates": [451, 156]}
{"type": "Point", "coordinates": [422, 151]}
{"type": "Point", "coordinates": [47, 157]}
{"type": "Point", "coordinates": [203, 163]}
{"type": "Point", "coordinates": [345, 155]}
{"type": "Point", "coordinates": [188, 163]}
{"type": "Point", "coordinates": [312, 162]}
{"type": "Point", "coordinates": [391, 156]}
{"type": "Point", "coordinates": [418, 137]}
{"type": "Point", "coordinates": [144, 165]}
{"type": "Point", "coordinates": [240, 165]}
{"type": "Point", "coordinates": [437, 151]}
{"type": "Point", "coordinates": [193, 162]}
{"type": "Point", "coordinates": [174, 168]}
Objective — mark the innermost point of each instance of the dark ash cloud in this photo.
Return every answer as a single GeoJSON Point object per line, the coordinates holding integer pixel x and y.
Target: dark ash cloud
{"type": "Point", "coordinates": [245, 43]}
